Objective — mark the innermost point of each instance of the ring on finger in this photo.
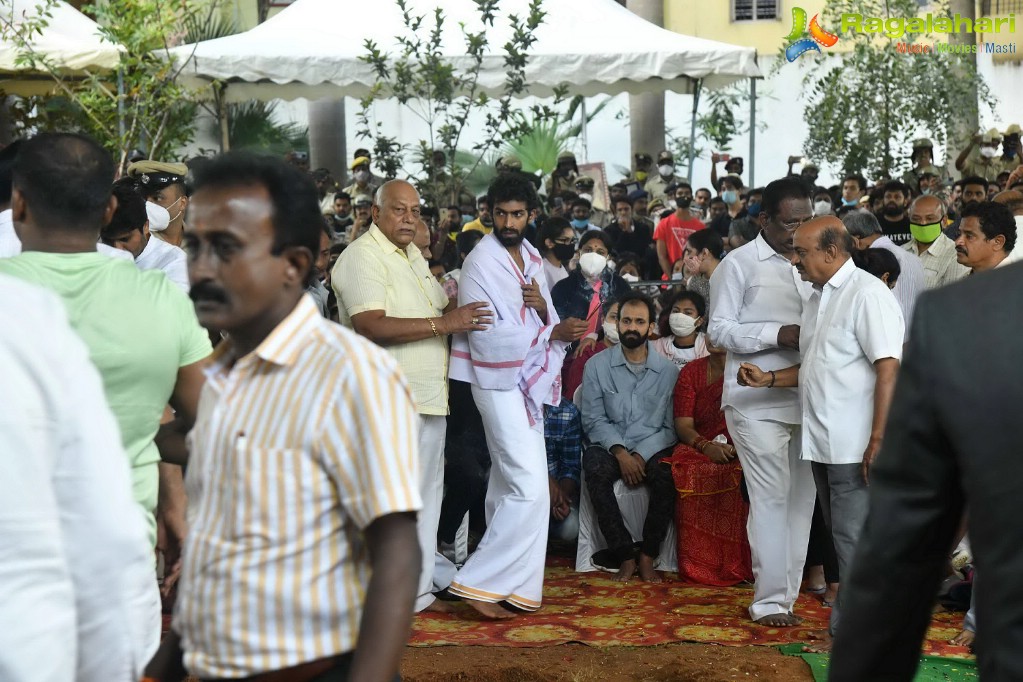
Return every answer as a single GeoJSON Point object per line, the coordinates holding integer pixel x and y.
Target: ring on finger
{"type": "Point", "coordinates": [475, 320]}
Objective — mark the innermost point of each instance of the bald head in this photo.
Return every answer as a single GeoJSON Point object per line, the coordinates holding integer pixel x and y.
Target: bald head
{"type": "Point", "coordinates": [1012, 199]}
{"type": "Point", "coordinates": [821, 247]}
{"type": "Point", "coordinates": [927, 204]}
{"type": "Point", "coordinates": [396, 211]}
{"type": "Point", "coordinates": [423, 238]}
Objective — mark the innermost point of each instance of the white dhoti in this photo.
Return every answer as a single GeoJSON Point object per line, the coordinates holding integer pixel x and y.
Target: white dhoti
{"type": "Point", "coordinates": [432, 429]}
{"type": "Point", "coordinates": [781, 497]}
{"type": "Point", "coordinates": [508, 564]}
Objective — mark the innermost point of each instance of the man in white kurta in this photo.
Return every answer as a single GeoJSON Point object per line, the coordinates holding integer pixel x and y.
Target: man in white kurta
{"type": "Point", "coordinates": [756, 302]}
{"type": "Point", "coordinates": [850, 347]}
{"type": "Point", "coordinates": [515, 369]}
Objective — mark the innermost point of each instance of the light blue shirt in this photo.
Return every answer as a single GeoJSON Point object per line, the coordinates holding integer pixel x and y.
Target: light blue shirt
{"type": "Point", "coordinates": [621, 407]}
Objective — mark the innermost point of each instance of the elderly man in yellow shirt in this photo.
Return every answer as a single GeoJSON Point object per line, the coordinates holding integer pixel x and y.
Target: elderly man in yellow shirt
{"type": "Point", "coordinates": [386, 293]}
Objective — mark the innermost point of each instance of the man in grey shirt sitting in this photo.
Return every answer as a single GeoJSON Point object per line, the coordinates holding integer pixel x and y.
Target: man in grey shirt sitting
{"type": "Point", "coordinates": [627, 418]}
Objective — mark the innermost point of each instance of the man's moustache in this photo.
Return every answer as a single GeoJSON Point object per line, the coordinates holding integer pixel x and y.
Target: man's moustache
{"type": "Point", "coordinates": [206, 291]}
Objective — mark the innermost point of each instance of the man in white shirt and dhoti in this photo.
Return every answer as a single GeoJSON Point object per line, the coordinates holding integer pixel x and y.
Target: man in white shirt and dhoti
{"type": "Point", "coordinates": [514, 367]}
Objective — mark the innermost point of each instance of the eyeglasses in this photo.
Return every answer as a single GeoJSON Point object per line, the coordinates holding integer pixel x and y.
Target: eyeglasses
{"type": "Point", "coordinates": [791, 226]}
{"type": "Point", "coordinates": [566, 241]}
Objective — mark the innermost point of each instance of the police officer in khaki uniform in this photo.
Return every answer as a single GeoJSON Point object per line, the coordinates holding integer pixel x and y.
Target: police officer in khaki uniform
{"type": "Point", "coordinates": [564, 175]}
{"type": "Point", "coordinates": [657, 185]}
{"type": "Point", "coordinates": [599, 216]}
{"type": "Point", "coordinates": [979, 159]}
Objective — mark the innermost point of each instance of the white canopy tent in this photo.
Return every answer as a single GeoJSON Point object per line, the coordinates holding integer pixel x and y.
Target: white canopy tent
{"type": "Point", "coordinates": [312, 49]}
{"type": "Point", "coordinates": [70, 42]}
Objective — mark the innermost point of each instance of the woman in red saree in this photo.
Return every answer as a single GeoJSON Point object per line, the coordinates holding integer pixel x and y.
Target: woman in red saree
{"type": "Point", "coordinates": [711, 515]}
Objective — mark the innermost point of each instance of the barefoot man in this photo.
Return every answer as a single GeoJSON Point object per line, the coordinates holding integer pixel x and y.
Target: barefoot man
{"type": "Point", "coordinates": [514, 367]}
{"type": "Point", "coordinates": [386, 293]}
{"type": "Point", "coordinates": [628, 418]}
{"type": "Point", "coordinates": [756, 299]}
{"type": "Point", "coordinates": [850, 346]}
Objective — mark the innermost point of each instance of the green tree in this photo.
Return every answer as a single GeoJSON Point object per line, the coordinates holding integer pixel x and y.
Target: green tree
{"type": "Point", "coordinates": [864, 107]}
{"type": "Point", "coordinates": [425, 83]}
{"type": "Point", "coordinates": [140, 106]}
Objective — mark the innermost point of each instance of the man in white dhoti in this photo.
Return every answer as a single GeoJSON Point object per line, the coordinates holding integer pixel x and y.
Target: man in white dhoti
{"type": "Point", "coordinates": [756, 300]}
{"type": "Point", "coordinates": [515, 369]}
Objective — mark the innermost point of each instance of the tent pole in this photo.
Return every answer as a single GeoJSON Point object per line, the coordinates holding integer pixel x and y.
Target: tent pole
{"type": "Point", "coordinates": [586, 146]}
{"type": "Point", "coordinates": [692, 129]}
{"type": "Point", "coordinates": [752, 130]}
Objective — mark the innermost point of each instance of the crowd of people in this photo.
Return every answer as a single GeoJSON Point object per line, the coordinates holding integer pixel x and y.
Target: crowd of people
{"type": "Point", "coordinates": [334, 407]}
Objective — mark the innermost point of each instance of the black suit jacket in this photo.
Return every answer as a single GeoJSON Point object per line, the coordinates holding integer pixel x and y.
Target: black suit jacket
{"type": "Point", "coordinates": [954, 439]}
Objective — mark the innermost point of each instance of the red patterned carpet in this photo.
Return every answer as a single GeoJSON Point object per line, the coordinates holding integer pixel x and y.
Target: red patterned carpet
{"type": "Point", "coordinates": [592, 609]}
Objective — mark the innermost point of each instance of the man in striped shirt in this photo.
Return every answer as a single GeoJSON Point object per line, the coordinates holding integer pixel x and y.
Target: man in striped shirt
{"type": "Point", "coordinates": [303, 466]}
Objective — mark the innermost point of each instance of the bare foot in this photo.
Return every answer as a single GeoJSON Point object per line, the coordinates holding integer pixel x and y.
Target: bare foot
{"type": "Point", "coordinates": [490, 611]}
{"type": "Point", "coordinates": [821, 647]}
{"type": "Point", "coordinates": [626, 571]}
{"type": "Point", "coordinates": [779, 620]}
{"type": "Point", "coordinates": [646, 569]}
{"type": "Point", "coordinates": [964, 638]}
{"type": "Point", "coordinates": [439, 606]}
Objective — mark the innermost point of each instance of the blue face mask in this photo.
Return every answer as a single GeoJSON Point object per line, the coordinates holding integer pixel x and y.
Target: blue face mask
{"type": "Point", "coordinates": [753, 209]}
{"type": "Point", "coordinates": [466, 219]}
{"type": "Point", "coordinates": [849, 202]}
{"type": "Point", "coordinates": [730, 196]}
{"type": "Point", "coordinates": [580, 223]}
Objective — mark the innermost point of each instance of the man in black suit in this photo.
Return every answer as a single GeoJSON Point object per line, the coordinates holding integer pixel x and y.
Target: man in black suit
{"type": "Point", "coordinates": [954, 440]}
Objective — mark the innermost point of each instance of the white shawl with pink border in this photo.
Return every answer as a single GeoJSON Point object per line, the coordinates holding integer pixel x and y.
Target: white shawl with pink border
{"type": "Point", "coordinates": [517, 349]}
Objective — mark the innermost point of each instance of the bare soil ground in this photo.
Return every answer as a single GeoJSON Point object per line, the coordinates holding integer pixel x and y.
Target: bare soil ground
{"type": "Point", "coordinates": [580, 663]}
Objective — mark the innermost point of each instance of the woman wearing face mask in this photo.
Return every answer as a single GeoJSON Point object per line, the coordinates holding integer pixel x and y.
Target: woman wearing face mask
{"type": "Point", "coordinates": [558, 245]}
{"type": "Point", "coordinates": [591, 286]}
{"type": "Point", "coordinates": [572, 376]}
{"type": "Point", "coordinates": [681, 341]}
{"type": "Point", "coordinates": [629, 267]}
{"type": "Point", "coordinates": [730, 187]}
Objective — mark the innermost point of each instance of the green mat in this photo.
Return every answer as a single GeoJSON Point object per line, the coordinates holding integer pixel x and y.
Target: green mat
{"type": "Point", "coordinates": [932, 668]}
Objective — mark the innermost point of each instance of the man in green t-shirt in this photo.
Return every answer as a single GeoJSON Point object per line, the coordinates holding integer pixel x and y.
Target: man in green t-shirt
{"type": "Point", "coordinates": [140, 329]}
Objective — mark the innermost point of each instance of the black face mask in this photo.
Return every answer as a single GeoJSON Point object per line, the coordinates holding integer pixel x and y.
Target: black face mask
{"type": "Point", "coordinates": [632, 340]}
{"type": "Point", "coordinates": [683, 202]}
{"type": "Point", "coordinates": [563, 252]}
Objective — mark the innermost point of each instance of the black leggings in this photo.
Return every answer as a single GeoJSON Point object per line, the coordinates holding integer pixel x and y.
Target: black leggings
{"type": "Point", "coordinates": [466, 461]}
{"type": "Point", "coordinates": [821, 549]}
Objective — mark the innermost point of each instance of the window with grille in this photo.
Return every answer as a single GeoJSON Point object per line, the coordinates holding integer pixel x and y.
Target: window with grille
{"type": "Point", "coordinates": [750, 10]}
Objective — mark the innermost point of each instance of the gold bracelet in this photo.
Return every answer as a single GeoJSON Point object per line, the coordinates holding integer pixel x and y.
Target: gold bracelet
{"type": "Point", "coordinates": [433, 326]}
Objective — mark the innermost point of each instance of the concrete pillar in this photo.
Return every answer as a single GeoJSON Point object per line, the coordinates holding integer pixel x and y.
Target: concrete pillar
{"type": "Point", "coordinates": [646, 111]}
{"type": "Point", "coordinates": [967, 121]}
{"type": "Point", "coordinates": [327, 137]}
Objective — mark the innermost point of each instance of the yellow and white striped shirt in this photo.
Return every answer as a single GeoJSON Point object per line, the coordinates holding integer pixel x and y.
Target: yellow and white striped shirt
{"type": "Point", "coordinates": [296, 449]}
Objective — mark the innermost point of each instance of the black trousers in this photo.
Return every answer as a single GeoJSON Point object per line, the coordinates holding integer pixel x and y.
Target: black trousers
{"type": "Point", "coordinates": [602, 471]}
{"type": "Point", "coordinates": [466, 461]}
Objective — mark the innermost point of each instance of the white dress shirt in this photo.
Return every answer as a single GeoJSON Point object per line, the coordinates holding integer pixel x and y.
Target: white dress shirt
{"type": "Point", "coordinates": [172, 260]}
{"type": "Point", "coordinates": [74, 571]}
{"type": "Point", "coordinates": [912, 280]}
{"type": "Point", "coordinates": [753, 294]}
{"type": "Point", "coordinates": [849, 324]}
{"type": "Point", "coordinates": [10, 245]}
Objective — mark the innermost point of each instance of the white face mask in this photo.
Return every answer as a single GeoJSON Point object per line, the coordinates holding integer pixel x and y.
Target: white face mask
{"type": "Point", "coordinates": [361, 176]}
{"type": "Point", "coordinates": [681, 324]}
{"type": "Point", "coordinates": [176, 215]}
{"type": "Point", "coordinates": [592, 264]}
{"type": "Point", "coordinates": [629, 277]}
{"type": "Point", "coordinates": [159, 218]}
{"type": "Point", "coordinates": [822, 208]}
{"type": "Point", "coordinates": [611, 264]}
{"type": "Point", "coordinates": [665, 169]}
{"type": "Point", "coordinates": [677, 275]}
{"type": "Point", "coordinates": [587, 196]}
{"type": "Point", "coordinates": [988, 152]}
{"type": "Point", "coordinates": [672, 204]}
{"type": "Point", "coordinates": [611, 333]}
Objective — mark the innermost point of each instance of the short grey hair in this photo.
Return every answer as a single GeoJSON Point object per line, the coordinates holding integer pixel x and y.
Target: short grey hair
{"type": "Point", "coordinates": [861, 224]}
